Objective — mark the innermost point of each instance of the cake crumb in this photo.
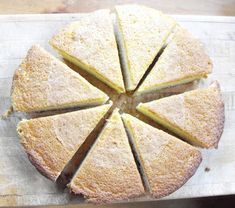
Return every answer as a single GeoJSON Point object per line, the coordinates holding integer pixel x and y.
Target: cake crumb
{"type": "Point", "coordinates": [7, 113]}
{"type": "Point", "coordinates": [207, 169]}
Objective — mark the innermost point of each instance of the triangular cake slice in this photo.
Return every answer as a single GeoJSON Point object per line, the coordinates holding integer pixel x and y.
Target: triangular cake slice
{"type": "Point", "coordinates": [183, 60]}
{"type": "Point", "coordinates": [142, 33]}
{"type": "Point", "coordinates": [197, 115]}
{"type": "Point", "coordinates": [109, 171]}
{"type": "Point", "coordinates": [43, 82]}
{"type": "Point", "coordinates": [51, 142]}
{"type": "Point", "coordinates": [167, 162]}
{"type": "Point", "coordinates": [90, 43]}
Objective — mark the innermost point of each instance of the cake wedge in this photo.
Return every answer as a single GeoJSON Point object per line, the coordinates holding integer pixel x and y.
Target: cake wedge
{"type": "Point", "coordinates": [167, 162]}
{"type": "Point", "coordinates": [42, 82]}
{"type": "Point", "coordinates": [197, 116]}
{"type": "Point", "coordinates": [51, 142]}
{"type": "Point", "coordinates": [90, 43]}
{"type": "Point", "coordinates": [183, 60]}
{"type": "Point", "coordinates": [142, 33]}
{"type": "Point", "coordinates": [109, 172]}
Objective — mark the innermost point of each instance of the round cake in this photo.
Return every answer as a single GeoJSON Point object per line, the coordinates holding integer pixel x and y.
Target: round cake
{"type": "Point", "coordinates": [123, 108]}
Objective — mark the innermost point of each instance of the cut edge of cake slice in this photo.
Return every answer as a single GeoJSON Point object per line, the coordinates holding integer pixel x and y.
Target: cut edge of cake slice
{"type": "Point", "coordinates": [59, 131]}
{"type": "Point", "coordinates": [184, 52]}
{"type": "Point", "coordinates": [173, 128]}
{"type": "Point", "coordinates": [89, 69]}
{"type": "Point", "coordinates": [125, 182]}
{"type": "Point", "coordinates": [61, 43]}
{"type": "Point", "coordinates": [125, 118]}
{"type": "Point", "coordinates": [131, 82]}
{"type": "Point", "coordinates": [215, 114]}
{"type": "Point", "coordinates": [43, 82]}
{"type": "Point", "coordinates": [155, 153]}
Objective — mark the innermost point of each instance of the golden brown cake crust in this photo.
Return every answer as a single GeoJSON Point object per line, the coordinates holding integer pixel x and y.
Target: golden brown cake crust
{"type": "Point", "coordinates": [46, 156]}
{"type": "Point", "coordinates": [176, 164]}
{"type": "Point", "coordinates": [183, 59]}
{"type": "Point", "coordinates": [109, 172]}
{"type": "Point", "coordinates": [199, 113]}
{"type": "Point", "coordinates": [166, 161]}
{"type": "Point", "coordinates": [50, 142]}
{"type": "Point", "coordinates": [42, 82]}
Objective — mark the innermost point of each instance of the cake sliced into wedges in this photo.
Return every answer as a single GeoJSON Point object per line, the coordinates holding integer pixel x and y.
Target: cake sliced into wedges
{"type": "Point", "coordinates": [90, 43]}
{"type": "Point", "coordinates": [43, 82]}
{"type": "Point", "coordinates": [51, 142]}
{"type": "Point", "coordinates": [142, 33]}
{"type": "Point", "coordinates": [109, 171]}
{"type": "Point", "coordinates": [167, 162]}
{"type": "Point", "coordinates": [197, 116]}
{"type": "Point", "coordinates": [183, 60]}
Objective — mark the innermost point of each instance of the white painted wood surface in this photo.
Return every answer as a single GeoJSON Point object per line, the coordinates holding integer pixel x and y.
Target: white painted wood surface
{"type": "Point", "coordinates": [22, 184]}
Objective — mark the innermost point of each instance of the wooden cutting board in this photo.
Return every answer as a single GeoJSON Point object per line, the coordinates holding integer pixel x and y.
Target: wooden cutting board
{"type": "Point", "coordinates": [22, 184]}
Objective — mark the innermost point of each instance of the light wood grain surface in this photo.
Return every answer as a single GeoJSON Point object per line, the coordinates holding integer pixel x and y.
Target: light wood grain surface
{"type": "Point", "coordinates": [202, 7]}
{"type": "Point", "coordinates": [20, 182]}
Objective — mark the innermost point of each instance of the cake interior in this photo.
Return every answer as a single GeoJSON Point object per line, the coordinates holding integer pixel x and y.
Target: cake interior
{"type": "Point", "coordinates": [127, 73]}
{"type": "Point", "coordinates": [173, 128]}
{"type": "Point", "coordinates": [139, 160]}
{"type": "Point", "coordinates": [171, 84]}
{"type": "Point", "coordinates": [89, 69]}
